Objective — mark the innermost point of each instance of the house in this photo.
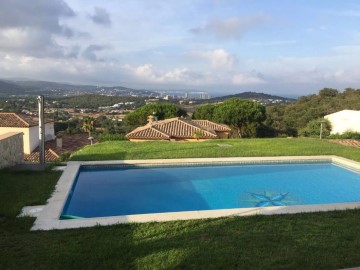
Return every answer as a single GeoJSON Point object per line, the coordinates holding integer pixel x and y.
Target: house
{"type": "Point", "coordinates": [344, 121]}
{"type": "Point", "coordinates": [179, 129]}
{"type": "Point", "coordinates": [66, 144]}
{"type": "Point", "coordinates": [29, 126]}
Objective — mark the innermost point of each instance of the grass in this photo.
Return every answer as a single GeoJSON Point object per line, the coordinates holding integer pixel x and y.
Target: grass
{"type": "Point", "coordinates": [328, 240]}
{"type": "Point", "coordinates": [114, 150]}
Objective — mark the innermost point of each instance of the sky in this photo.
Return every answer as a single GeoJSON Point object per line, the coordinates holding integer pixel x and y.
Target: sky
{"type": "Point", "coordinates": [290, 47]}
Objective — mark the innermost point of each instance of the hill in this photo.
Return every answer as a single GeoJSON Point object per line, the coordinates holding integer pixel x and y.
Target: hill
{"type": "Point", "coordinates": [8, 88]}
{"type": "Point", "coordinates": [264, 99]}
{"type": "Point", "coordinates": [56, 89]}
{"type": "Point", "coordinates": [93, 101]}
{"type": "Point", "coordinates": [289, 119]}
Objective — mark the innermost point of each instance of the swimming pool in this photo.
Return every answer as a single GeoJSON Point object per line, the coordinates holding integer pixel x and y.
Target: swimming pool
{"type": "Point", "coordinates": [129, 190]}
{"type": "Point", "coordinates": [113, 192]}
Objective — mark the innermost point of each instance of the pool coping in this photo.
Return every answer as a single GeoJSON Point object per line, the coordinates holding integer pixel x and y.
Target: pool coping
{"type": "Point", "coordinates": [48, 219]}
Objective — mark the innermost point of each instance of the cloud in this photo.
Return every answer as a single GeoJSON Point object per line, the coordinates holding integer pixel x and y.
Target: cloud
{"type": "Point", "coordinates": [355, 12]}
{"type": "Point", "coordinates": [90, 52]}
{"type": "Point", "coordinates": [320, 75]}
{"type": "Point", "coordinates": [31, 42]}
{"type": "Point", "coordinates": [148, 72]}
{"type": "Point", "coordinates": [231, 28]}
{"type": "Point", "coordinates": [347, 49]}
{"type": "Point", "coordinates": [101, 17]}
{"type": "Point", "coordinates": [274, 43]}
{"type": "Point", "coordinates": [30, 27]}
{"type": "Point", "coordinates": [75, 70]}
{"type": "Point", "coordinates": [185, 76]}
{"type": "Point", "coordinates": [38, 14]}
{"type": "Point", "coordinates": [243, 79]}
{"type": "Point", "coordinates": [218, 59]}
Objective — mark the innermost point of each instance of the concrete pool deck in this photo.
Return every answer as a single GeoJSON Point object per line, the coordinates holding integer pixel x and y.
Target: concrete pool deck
{"type": "Point", "coordinates": [48, 218]}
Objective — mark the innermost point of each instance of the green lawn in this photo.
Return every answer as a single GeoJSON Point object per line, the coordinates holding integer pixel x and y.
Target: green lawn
{"type": "Point", "coordinates": [115, 150]}
{"type": "Point", "coordinates": [328, 240]}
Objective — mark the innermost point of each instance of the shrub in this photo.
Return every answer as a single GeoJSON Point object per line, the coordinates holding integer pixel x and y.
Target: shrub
{"type": "Point", "coordinates": [111, 137]}
{"type": "Point", "coordinates": [312, 129]}
{"type": "Point", "coordinates": [346, 135]}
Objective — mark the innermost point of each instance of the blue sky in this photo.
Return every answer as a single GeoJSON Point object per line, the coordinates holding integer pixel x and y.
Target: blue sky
{"type": "Point", "coordinates": [223, 46]}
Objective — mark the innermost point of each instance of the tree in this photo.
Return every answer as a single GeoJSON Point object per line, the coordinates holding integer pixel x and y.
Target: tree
{"type": "Point", "coordinates": [159, 110]}
{"type": "Point", "coordinates": [205, 112]}
{"type": "Point", "coordinates": [198, 134]}
{"type": "Point", "coordinates": [312, 129]}
{"type": "Point", "coordinates": [239, 114]}
{"type": "Point", "coordinates": [328, 92]}
{"type": "Point", "coordinates": [88, 125]}
{"type": "Point", "coordinates": [292, 118]}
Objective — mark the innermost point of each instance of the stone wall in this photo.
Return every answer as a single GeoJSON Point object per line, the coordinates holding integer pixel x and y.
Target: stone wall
{"type": "Point", "coordinates": [11, 149]}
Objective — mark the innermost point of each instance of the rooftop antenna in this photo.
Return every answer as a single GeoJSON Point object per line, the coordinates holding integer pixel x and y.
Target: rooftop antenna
{"type": "Point", "coordinates": [40, 100]}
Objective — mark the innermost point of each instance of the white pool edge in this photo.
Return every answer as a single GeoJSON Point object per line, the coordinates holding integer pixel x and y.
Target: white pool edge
{"type": "Point", "coordinates": [48, 219]}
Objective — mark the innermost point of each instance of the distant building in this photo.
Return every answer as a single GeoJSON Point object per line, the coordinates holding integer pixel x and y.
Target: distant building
{"type": "Point", "coordinates": [179, 129]}
{"type": "Point", "coordinates": [343, 121]}
{"type": "Point", "coordinates": [29, 126]}
{"type": "Point", "coordinates": [204, 95]}
{"type": "Point", "coordinates": [152, 101]}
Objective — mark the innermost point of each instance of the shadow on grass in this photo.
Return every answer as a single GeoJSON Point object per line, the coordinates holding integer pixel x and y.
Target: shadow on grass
{"type": "Point", "coordinates": [303, 241]}
{"type": "Point", "coordinates": [99, 156]}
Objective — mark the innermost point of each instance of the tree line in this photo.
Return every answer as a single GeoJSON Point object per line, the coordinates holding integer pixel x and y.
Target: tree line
{"type": "Point", "coordinates": [294, 119]}
{"type": "Point", "coordinates": [246, 118]}
{"type": "Point", "coordinates": [94, 101]}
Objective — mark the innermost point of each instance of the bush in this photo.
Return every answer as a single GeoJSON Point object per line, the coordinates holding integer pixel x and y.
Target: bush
{"type": "Point", "coordinates": [64, 156]}
{"type": "Point", "coordinates": [264, 131]}
{"type": "Point", "coordinates": [346, 135]}
{"type": "Point", "coordinates": [111, 137]}
{"type": "Point", "coordinates": [312, 129]}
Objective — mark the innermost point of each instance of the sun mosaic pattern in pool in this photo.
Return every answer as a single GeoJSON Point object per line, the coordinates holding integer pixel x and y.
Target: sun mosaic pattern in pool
{"type": "Point", "coordinates": [268, 198]}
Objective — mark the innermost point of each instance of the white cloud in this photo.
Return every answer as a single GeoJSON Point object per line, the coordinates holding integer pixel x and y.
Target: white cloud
{"type": "Point", "coordinates": [230, 28]}
{"type": "Point", "coordinates": [187, 76]}
{"type": "Point", "coordinates": [274, 43]}
{"type": "Point", "coordinates": [242, 79]}
{"type": "Point", "coordinates": [148, 72]}
{"type": "Point", "coordinates": [218, 58]}
{"type": "Point", "coordinates": [347, 49]}
{"type": "Point", "coordinates": [31, 27]}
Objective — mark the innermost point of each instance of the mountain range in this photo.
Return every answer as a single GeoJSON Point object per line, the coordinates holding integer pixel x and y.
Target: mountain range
{"type": "Point", "coordinates": [25, 88]}
{"type": "Point", "coordinates": [251, 95]}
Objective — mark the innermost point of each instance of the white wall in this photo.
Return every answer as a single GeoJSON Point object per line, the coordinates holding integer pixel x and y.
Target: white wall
{"type": "Point", "coordinates": [31, 135]}
{"type": "Point", "coordinates": [11, 149]}
{"type": "Point", "coordinates": [26, 140]}
{"type": "Point", "coordinates": [344, 121]}
{"type": "Point", "coordinates": [49, 131]}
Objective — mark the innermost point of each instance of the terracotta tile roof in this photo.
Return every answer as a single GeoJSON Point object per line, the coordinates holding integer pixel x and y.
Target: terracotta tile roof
{"type": "Point", "coordinates": [148, 131]}
{"type": "Point", "coordinates": [177, 128]}
{"type": "Point", "coordinates": [70, 143]}
{"type": "Point", "coordinates": [50, 155]}
{"type": "Point", "coordinates": [19, 120]}
{"type": "Point", "coordinates": [212, 125]}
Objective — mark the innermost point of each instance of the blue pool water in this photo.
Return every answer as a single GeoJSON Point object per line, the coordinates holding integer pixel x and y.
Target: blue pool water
{"type": "Point", "coordinates": [138, 190]}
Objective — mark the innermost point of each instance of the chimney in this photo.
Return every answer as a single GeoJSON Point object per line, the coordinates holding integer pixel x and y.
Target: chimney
{"type": "Point", "coordinates": [40, 100]}
{"type": "Point", "coordinates": [151, 119]}
{"type": "Point", "coordinates": [58, 142]}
